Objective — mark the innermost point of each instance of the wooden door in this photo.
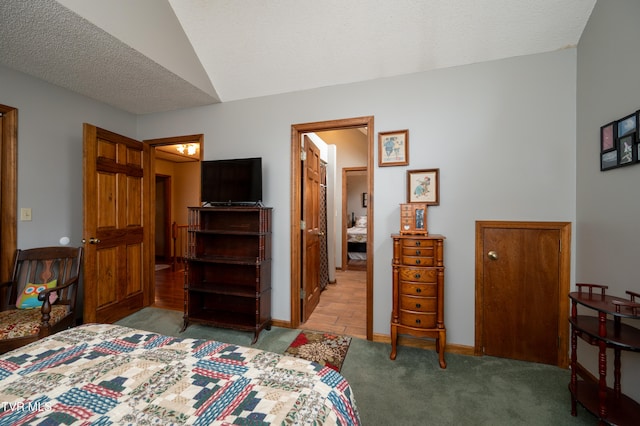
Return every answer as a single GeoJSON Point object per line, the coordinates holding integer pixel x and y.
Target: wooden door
{"type": "Point", "coordinates": [118, 264]}
{"type": "Point", "coordinates": [8, 189]}
{"type": "Point", "coordinates": [521, 306]}
{"type": "Point", "coordinates": [311, 231]}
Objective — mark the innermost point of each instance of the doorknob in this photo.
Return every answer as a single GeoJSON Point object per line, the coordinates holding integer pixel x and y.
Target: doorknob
{"type": "Point", "coordinates": [492, 255]}
{"type": "Point", "coordinates": [91, 241]}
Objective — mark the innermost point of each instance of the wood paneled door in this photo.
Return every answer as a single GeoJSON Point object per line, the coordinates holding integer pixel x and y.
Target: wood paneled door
{"type": "Point", "coordinates": [118, 267]}
{"type": "Point", "coordinates": [311, 231]}
{"type": "Point", "coordinates": [522, 283]}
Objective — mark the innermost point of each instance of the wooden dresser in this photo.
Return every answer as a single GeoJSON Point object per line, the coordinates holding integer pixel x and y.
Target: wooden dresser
{"type": "Point", "coordinates": [418, 290]}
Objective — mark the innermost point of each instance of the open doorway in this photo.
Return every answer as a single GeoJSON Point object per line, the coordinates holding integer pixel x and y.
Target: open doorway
{"type": "Point", "coordinates": [297, 201]}
{"type": "Point", "coordinates": [355, 202]}
{"type": "Point", "coordinates": [176, 165]}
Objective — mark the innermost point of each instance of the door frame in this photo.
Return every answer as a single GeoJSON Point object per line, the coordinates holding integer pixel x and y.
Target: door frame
{"type": "Point", "coordinates": [9, 190]}
{"type": "Point", "coordinates": [564, 281]}
{"type": "Point", "coordinates": [296, 210]}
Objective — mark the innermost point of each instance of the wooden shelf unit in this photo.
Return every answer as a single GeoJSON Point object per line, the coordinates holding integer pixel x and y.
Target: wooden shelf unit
{"type": "Point", "coordinates": [606, 331]}
{"type": "Point", "coordinates": [228, 268]}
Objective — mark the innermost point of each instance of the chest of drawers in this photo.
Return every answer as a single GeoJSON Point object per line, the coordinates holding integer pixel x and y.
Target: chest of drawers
{"type": "Point", "coordinates": [418, 290]}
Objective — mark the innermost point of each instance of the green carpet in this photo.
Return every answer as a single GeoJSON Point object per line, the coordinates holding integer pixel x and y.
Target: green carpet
{"type": "Point", "coordinates": [413, 389]}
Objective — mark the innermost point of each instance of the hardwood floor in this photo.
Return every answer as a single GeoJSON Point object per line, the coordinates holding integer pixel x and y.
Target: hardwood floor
{"type": "Point", "coordinates": [170, 288]}
{"type": "Point", "coordinates": [342, 306]}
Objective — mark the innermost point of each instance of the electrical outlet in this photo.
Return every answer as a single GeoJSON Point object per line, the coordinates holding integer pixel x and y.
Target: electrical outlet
{"type": "Point", "coordinates": [25, 214]}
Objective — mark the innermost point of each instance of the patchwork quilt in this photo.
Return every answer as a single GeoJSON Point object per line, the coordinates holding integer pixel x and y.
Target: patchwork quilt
{"type": "Point", "coordinates": [106, 374]}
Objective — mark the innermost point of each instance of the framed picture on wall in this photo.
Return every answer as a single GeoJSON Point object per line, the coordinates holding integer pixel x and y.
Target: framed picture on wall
{"type": "Point", "coordinates": [423, 186]}
{"type": "Point", "coordinates": [609, 160]}
{"type": "Point", "coordinates": [607, 137]}
{"type": "Point", "coordinates": [393, 148]}
{"type": "Point", "coordinates": [627, 125]}
{"type": "Point", "coordinates": [626, 151]}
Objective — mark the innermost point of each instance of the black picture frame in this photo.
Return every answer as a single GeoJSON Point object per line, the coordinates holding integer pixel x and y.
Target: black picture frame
{"type": "Point", "coordinates": [627, 152]}
{"type": "Point", "coordinates": [609, 160]}
{"type": "Point", "coordinates": [608, 136]}
{"type": "Point", "coordinates": [627, 125]}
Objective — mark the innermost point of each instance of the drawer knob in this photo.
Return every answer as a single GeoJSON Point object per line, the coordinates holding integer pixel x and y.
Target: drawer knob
{"type": "Point", "coordinates": [417, 261]}
{"type": "Point", "coordinates": [418, 243]}
{"type": "Point", "coordinates": [417, 321]}
{"type": "Point", "coordinates": [416, 276]}
{"type": "Point", "coordinates": [418, 252]}
{"type": "Point", "coordinates": [418, 305]}
{"type": "Point", "coordinates": [418, 290]}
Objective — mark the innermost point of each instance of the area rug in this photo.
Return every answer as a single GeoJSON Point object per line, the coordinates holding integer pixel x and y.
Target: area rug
{"type": "Point", "coordinates": [326, 349]}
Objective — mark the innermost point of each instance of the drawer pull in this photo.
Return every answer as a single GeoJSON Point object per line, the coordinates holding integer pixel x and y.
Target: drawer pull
{"type": "Point", "coordinates": [418, 290]}
{"type": "Point", "coordinates": [417, 261]}
{"type": "Point", "coordinates": [418, 305]}
{"type": "Point", "coordinates": [418, 243]}
{"type": "Point", "coordinates": [418, 252]}
{"type": "Point", "coordinates": [417, 321]}
{"type": "Point", "coordinates": [416, 276]}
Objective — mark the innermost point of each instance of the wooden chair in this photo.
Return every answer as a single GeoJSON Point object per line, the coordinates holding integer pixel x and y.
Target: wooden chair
{"type": "Point", "coordinates": [46, 278]}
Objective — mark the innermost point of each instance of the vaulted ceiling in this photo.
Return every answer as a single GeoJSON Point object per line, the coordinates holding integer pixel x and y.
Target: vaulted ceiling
{"type": "Point", "coordinates": [148, 56]}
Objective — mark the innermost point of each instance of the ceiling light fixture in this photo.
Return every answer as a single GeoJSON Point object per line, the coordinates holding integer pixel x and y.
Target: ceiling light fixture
{"type": "Point", "coordinates": [190, 148]}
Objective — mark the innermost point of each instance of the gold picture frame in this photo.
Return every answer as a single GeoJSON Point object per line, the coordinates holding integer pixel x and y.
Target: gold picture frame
{"type": "Point", "coordinates": [393, 148]}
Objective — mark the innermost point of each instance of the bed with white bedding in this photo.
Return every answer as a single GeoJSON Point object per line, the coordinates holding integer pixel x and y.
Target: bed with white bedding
{"type": "Point", "coordinates": [357, 239]}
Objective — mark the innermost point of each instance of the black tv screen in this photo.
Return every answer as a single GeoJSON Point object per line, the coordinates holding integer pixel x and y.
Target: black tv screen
{"type": "Point", "coordinates": [236, 181]}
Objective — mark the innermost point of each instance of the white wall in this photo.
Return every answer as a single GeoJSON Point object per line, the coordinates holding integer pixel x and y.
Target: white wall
{"type": "Point", "coordinates": [608, 206]}
{"type": "Point", "coordinates": [502, 134]}
{"type": "Point", "coordinates": [50, 154]}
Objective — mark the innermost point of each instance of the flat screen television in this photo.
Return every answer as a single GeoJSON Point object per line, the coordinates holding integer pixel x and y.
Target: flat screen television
{"type": "Point", "coordinates": [231, 182]}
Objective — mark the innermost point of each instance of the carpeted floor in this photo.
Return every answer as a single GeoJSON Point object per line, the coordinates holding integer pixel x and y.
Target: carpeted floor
{"type": "Point", "coordinates": [413, 389]}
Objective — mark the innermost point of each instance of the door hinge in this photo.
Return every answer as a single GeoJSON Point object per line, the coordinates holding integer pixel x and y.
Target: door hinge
{"type": "Point", "coordinates": [303, 225]}
{"type": "Point", "coordinates": [303, 294]}
{"type": "Point", "coordinates": [303, 156]}
{"type": "Point", "coordinates": [560, 246]}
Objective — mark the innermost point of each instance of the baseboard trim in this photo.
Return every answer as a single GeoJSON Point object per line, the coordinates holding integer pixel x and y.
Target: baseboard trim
{"type": "Point", "coordinates": [410, 341]}
{"type": "Point", "coordinates": [429, 344]}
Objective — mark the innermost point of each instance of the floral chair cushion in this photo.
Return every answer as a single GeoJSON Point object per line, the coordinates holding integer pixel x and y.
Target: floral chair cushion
{"type": "Point", "coordinates": [16, 323]}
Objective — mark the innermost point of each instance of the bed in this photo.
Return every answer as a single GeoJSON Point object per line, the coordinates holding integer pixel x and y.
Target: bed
{"type": "Point", "coordinates": [107, 374]}
{"type": "Point", "coordinates": [357, 239]}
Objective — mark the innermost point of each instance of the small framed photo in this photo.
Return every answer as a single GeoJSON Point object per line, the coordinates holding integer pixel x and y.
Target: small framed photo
{"type": "Point", "coordinates": [423, 186]}
{"type": "Point", "coordinates": [627, 125]}
{"type": "Point", "coordinates": [626, 151]}
{"type": "Point", "coordinates": [393, 148]}
{"type": "Point", "coordinates": [607, 137]}
{"type": "Point", "coordinates": [609, 160]}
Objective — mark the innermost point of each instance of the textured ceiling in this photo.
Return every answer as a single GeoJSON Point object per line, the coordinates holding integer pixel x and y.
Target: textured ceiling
{"type": "Point", "coordinates": [148, 56]}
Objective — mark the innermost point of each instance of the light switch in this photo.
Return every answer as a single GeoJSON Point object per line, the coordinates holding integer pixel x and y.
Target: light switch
{"type": "Point", "coordinates": [25, 214]}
